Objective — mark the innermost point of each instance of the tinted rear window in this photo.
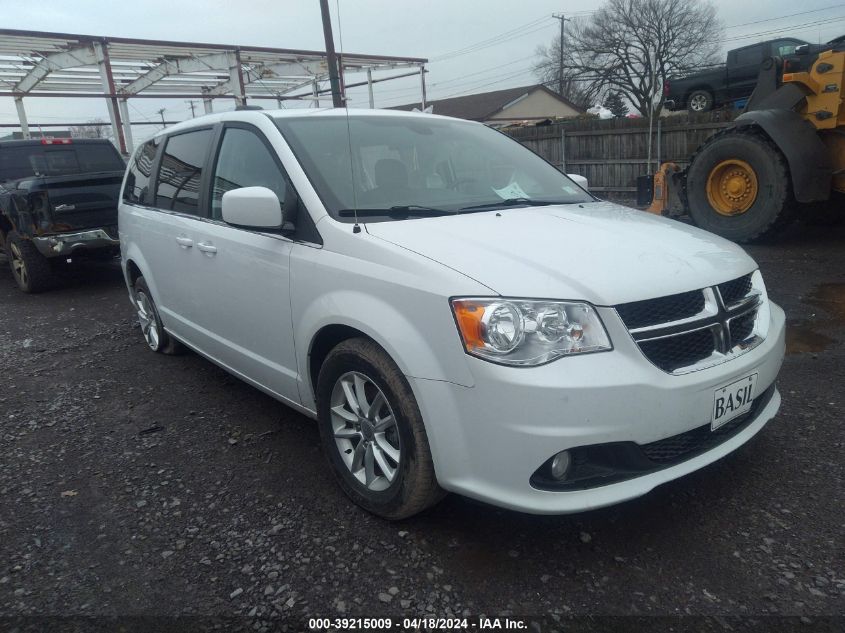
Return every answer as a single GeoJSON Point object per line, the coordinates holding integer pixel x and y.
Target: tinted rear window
{"type": "Point", "coordinates": [57, 160]}
{"type": "Point", "coordinates": [137, 187]}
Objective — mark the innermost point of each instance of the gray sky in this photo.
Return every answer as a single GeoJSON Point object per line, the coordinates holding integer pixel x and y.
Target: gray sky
{"type": "Point", "coordinates": [430, 29]}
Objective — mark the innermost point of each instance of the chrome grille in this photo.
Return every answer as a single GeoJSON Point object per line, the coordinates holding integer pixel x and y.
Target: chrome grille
{"type": "Point", "coordinates": [663, 310]}
{"type": "Point", "coordinates": [674, 352]}
{"type": "Point", "coordinates": [734, 291]}
{"type": "Point", "coordinates": [697, 329]}
{"type": "Point", "coordinates": [742, 327]}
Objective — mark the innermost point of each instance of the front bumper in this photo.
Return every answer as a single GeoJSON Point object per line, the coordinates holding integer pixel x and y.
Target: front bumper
{"type": "Point", "coordinates": [64, 244]}
{"type": "Point", "coordinates": [488, 440]}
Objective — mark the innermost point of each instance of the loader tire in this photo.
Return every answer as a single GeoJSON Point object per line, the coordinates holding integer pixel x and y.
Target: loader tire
{"type": "Point", "coordinates": [738, 186]}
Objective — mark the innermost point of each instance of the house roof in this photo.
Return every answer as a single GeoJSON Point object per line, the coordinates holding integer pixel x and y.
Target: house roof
{"type": "Point", "coordinates": [482, 106]}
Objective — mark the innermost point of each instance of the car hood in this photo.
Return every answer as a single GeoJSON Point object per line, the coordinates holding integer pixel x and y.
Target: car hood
{"type": "Point", "coordinates": [598, 252]}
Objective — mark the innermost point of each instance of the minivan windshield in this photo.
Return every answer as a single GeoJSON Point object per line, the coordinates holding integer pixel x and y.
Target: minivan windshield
{"type": "Point", "coordinates": [414, 166]}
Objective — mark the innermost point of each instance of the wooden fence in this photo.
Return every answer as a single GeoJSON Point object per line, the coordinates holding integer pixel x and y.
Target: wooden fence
{"type": "Point", "coordinates": [611, 153]}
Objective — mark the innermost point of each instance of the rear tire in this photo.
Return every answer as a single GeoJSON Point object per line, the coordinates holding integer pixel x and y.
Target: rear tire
{"type": "Point", "coordinates": [31, 270]}
{"type": "Point", "coordinates": [773, 206]}
{"type": "Point", "coordinates": [700, 101]}
{"type": "Point", "coordinates": [158, 340]}
{"type": "Point", "coordinates": [379, 453]}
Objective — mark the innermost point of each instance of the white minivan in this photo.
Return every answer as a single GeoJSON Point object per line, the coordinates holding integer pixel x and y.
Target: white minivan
{"type": "Point", "coordinates": [456, 313]}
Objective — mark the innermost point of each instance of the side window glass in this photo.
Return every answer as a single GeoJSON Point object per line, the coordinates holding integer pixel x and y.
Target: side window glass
{"type": "Point", "coordinates": [137, 189]}
{"type": "Point", "coordinates": [244, 161]}
{"type": "Point", "coordinates": [784, 48]}
{"type": "Point", "coordinates": [749, 56]}
{"type": "Point", "coordinates": [181, 171]}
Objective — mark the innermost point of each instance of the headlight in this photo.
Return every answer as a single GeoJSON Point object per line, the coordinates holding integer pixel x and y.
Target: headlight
{"type": "Point", "coordinates": [528, 332]}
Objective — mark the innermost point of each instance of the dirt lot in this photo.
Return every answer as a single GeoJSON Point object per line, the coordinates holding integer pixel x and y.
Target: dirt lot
{"type": "Point", "coordinates": [138, 484]}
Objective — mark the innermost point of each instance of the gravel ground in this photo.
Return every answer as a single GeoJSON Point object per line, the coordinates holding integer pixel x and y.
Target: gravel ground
{"type": "Point", "coordinates": [138, 484]}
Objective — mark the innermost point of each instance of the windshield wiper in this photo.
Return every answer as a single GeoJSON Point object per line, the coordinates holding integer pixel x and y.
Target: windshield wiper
{"type": "Point", "coordinates": [398, 211]}
{"type": "Point", "coordinates": [511, 202]}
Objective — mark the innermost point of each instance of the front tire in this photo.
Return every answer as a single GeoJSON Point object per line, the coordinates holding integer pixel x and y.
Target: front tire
{"type": "Point", "coordinates": [157, 339]}
{"type": "Point", "coordinates": [372, 432]}
{"type": "Point", "coordinates": [738, 186]}
{"type": "Point", "coordinates": [31, 270]}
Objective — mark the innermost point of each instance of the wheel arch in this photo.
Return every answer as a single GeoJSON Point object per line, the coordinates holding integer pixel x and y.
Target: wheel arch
{"type": "Point", "coordinates": [799, 142]}
{"type": "Point", "coordinates": [419, 349]}
{"type": "Point", "coordinates": [134, 266]}
{"type": "Point", "coordinates": [324, 341]}
{"type": "Point", "coordinates": [132, 273]}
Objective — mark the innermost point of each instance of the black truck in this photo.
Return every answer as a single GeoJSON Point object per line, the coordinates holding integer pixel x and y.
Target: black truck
{"type": "Point", "coordinates": [58, 201]}
{"type": "Point", "coordinates": [733, 81]}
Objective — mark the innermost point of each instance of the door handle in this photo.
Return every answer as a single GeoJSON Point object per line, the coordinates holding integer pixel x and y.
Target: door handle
{"type": "Point", "coordinates": [207, 247]}
{"type": "Point", "coordinates": [185, 242]}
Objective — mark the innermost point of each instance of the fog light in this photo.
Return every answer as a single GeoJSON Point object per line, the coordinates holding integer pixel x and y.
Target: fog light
{"type": "Point", "coordinates": [560, 465]}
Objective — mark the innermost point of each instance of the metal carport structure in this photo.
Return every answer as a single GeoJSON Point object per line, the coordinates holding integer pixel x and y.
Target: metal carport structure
{"type": "Point", "coordinates": [42, 64]}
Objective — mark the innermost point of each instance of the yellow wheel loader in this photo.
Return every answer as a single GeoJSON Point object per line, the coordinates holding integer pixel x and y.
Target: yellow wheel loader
{"type": "Point", "coordinates": [783, 157]}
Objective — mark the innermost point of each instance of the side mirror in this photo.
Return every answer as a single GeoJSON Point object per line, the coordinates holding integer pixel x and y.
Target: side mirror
{"type": "Point", "coordinates": [802, 49]}
{"type": "Point", "coordinates": [254, 208]}
{"type": "Point", "coordinates": [580, 181]}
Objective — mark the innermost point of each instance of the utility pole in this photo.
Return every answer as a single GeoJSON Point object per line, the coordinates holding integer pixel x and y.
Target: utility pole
{"type": "Point", "coordinates": [563, 21]}
{"type": "Point", "coordinates": [161, 114]}
{"type": "Point", "coordinates": [331, 57]}
{"type": "Point", "coordinates": [190, 103]}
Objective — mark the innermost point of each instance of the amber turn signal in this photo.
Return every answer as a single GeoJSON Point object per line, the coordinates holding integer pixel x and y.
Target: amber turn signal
{"type": "Point", "coordinates": [468, 314]}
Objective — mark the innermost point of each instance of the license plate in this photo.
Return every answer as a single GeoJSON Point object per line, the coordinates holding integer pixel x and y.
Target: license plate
{"type": "Point", "coordinates": [732, 400]}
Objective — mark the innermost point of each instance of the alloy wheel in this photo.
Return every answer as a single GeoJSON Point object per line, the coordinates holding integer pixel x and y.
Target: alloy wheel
{"type": "Point", "coordinates": [698, 103]}
{"type": "Point", "coordinates": [147, 319]}
{"type": "Point", "coordinates": [365, 431]}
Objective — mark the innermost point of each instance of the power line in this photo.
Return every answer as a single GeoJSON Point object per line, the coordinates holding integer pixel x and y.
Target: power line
{"type": "Point", "coordinates": [776, 31]}
{"type": "Point", "coordinates": [498, 42]}
{"type": "Point", "coordinates": [783, 17]}
{"type": "Point", "coordinates": [491, 83]}
{"type": "Point", "coordinates": [443, 82]}
{"type": "Point", "coordinates": [465, 49]}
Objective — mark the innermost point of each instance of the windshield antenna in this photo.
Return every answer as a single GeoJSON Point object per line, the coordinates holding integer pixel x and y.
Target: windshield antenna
{"type": "Point", "coordinates": [356, 228]}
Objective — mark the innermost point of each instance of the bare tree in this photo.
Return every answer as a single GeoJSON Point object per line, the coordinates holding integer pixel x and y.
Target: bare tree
{"type": "Point", "coordinates": [583, 93]}
{"type": "Point", "coordinates": [95, 128]}
{"type": "Point", "coordinates": [632, 46]}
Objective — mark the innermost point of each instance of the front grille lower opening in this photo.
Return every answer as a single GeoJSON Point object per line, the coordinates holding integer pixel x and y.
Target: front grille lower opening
{"type": "Point", "coordinates": [597, 465]}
